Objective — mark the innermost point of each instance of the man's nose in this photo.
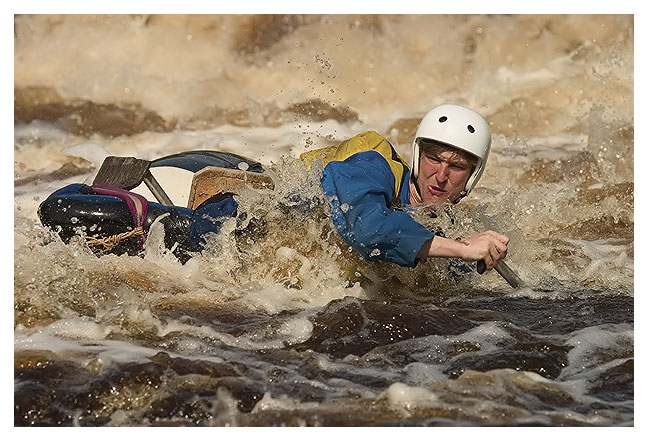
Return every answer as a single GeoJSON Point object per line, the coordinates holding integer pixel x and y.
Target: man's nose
{"type": "Point", "coordinates": [442, 172]}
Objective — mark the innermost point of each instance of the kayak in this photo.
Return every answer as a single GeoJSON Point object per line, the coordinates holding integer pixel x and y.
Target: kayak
{"type": "Point", "coordinates": [176, 172]}
{"type": "Point", "coordinates": [116, 220]}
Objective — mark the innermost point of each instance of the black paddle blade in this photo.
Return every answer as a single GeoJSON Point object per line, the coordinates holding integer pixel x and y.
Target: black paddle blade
{"type": "Point", "coordinates": [122, 172]}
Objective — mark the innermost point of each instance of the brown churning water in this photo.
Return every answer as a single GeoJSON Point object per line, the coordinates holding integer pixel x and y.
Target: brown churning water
{"type": "Point", "coordinates": [289, 327]}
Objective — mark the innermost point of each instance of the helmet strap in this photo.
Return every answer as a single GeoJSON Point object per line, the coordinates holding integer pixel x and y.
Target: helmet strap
{"type": "Point", "coordinates": [415, 194]}
{"type": "Point", "coordinates": [416, 157]}
{"type": "Point", "coordinates": [462, 195]}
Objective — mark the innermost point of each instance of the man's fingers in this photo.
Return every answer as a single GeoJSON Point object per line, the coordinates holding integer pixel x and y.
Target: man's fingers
{"type": "Point", "coordinates": [500, 244]}
{"type": "Point", "coordinates": [497, 251]}
{"type": "Point", "coordinates": [494, 254]}
{"type": "Point", "coordinates": [499, 236]}
{"type": "Point", "coordinates": [489, 246]}
{"type": "Point", "coordinates": [490, 263]}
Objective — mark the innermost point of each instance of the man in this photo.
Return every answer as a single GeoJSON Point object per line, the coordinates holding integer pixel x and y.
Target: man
{"type": "Point", "coordinates": [369, 184]}
{"type": "Point", "coordinates": [369, 187]}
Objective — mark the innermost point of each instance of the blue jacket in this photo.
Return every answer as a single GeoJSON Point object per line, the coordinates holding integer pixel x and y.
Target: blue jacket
{"type": "Point", "coordinates": [368, 183]}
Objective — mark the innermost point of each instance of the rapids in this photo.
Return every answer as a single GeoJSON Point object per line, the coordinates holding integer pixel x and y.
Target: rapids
{"type": "Point", "coordinates": [286, 326]}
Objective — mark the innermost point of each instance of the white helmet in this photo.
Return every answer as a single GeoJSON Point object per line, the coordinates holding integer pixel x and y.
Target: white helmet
{"type": "Point", "coordinates": [458, 127]}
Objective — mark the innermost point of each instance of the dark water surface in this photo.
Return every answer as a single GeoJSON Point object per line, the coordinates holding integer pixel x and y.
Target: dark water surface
{"type": "Point", "coordinates": [482, 359]}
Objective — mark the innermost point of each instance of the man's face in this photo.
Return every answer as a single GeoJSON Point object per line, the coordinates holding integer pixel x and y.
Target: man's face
{"type": "Point", "coordinates": [443, 173]}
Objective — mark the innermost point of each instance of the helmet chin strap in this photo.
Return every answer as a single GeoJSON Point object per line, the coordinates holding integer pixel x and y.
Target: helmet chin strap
{"type": "Point", "coordinates": [461, 196]}
{"type": "Point", "coordinates": [415, 194]}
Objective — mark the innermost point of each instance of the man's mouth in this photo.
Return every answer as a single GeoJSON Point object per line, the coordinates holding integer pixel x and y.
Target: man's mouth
{"type": "Point", "coordinates": [436, 190]}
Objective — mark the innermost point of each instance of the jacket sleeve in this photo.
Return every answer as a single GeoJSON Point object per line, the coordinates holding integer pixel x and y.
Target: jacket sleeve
{"type": "Point", "coordinates": [360, 191]}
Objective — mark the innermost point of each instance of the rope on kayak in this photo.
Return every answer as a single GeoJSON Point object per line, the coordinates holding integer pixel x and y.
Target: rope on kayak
{"type": "Point", "coordinates": [109, 242]}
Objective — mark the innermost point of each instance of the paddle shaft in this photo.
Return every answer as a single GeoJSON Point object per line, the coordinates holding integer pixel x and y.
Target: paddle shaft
{"type": "Point", "coordinates": [156, 189]}
{"type": "Point", "coordinates": [503, 269]}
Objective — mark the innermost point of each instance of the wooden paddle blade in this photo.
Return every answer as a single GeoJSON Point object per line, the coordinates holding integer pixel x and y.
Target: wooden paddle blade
{"type": "Point", "coordinates": [122, 172]}
{"type": "Point", "coordinates": [211, 181]}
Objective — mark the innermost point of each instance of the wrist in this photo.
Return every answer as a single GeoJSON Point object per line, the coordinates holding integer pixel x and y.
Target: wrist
{"type": "Point", "coordinates": [442, 247]}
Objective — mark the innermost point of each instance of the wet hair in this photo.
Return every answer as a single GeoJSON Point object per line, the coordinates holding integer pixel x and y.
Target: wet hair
{"type": "Point", "coordinates": [432, 146]}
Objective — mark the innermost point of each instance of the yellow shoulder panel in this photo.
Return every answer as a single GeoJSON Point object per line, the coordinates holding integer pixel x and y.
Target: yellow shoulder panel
{"type": "Point", "coordinates": [360, 143]}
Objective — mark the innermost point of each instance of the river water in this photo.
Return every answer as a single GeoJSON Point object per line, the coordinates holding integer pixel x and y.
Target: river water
{"type": "Point", "coordinates": [288, 327]}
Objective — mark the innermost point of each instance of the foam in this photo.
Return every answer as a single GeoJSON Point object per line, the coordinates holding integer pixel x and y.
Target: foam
{"type": "Point", "coordinates": [401, 395]}
{"type": "Point", "coordinates": [590, 344]}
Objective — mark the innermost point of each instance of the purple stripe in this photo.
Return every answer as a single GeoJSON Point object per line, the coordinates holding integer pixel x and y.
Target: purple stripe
{"type": "Point", "coordinates": [137, 204]}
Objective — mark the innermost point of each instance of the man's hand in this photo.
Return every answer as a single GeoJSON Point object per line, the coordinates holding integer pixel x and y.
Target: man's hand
{"type": "Point", "coordinates": [489, 246]}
